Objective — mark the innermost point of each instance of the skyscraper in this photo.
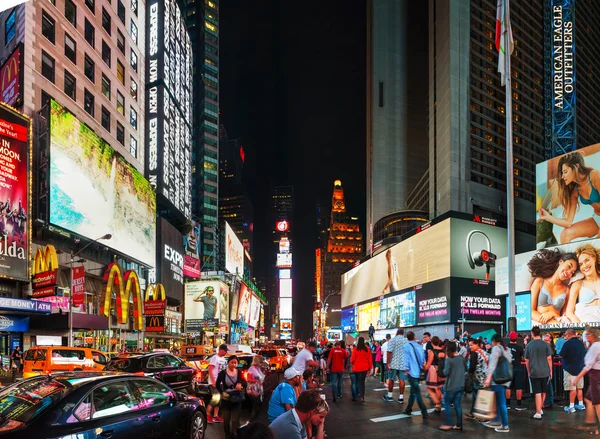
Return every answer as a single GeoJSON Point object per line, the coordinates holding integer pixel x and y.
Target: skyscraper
{"type": "Point", "coordinates": [203, 24]}
{"type": "Point", "coordinates": [396, 104]}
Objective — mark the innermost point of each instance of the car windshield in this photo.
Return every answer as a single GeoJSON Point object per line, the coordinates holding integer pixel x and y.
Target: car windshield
{"type": "Point", "coordinates": [24, 401]}
{"type": "Point", "coordinates": [129, 364]}
{"type": "Point", "coordinates": [268, 354]}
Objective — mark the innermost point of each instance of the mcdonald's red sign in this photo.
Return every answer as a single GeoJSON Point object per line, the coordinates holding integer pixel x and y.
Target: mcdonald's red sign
{"type": "Point", "coordinates": [155, 323]}
{"type": "Point", "coordinates": [11, 81]}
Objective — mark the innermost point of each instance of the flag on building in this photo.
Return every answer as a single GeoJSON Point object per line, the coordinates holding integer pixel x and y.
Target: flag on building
{"type": "Point", "coordinates": [503, 26]}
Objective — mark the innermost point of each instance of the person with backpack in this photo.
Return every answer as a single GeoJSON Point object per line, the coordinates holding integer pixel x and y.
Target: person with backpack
{"type": "Point", "coordinates": [477, 365]}
{"type": "Point", "coordinates": [454, 370]}
{"type": "Point", "coordinates": [499, 375]}
{"type": "Point", "coordinates": [435, 372]}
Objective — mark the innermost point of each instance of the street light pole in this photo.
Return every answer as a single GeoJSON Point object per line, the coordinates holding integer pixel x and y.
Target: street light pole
{"type": "Point", "coordinates": [72, 259]}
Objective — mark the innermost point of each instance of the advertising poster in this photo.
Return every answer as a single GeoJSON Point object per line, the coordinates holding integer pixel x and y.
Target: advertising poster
{"type": "Point", "coordinates": [170, 257]}
{"type": "Point", "coordinates": [224, 304]}
{"type": "Point", "coordinates": [577, 177]}
{"type": "Point", "coordinates": [398, 311]}
{"type": "Point", "coordinates": [285, 308]}
{"type": "Point", "coordinates": [94, 190]}
{"type": "Point", "coordinates": [235, 300]}
{"type": "Point", "coordinates": [78, 286]}
{"type": "Point", "coordinates": [433, 302]}
{"type": "Point", "coordinates": [349, 319]}
{"type": "Point", "coordinates": [284, 260]}
{"type": "Point", "coordinates": [234, 252]}
{"type": "Point", "coordinates": [254, 312]}
{"type": "Point", "coordinates": [523, 302]}
{"type": "Point", "coordinates": [243, 312]}
{"type": "Point", "coordinates": [191, 246]}
{"type": "Point", "coordinates": [476, 301]}
{"type": "Point", "coordinates": [368, 313]}
{"type": "Point", "coordinates": [15, 226]}
{"type": "Point", "coordinates": [202, 305]}
{"type": "Point", "coordinates": [11, 78]}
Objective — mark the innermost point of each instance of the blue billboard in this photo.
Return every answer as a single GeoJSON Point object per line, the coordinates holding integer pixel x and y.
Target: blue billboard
{"type": "Point", "coordinates": [14, 323]}
{"type": "Point", "coordinates": [349, 319]}
{"type": "Point", "coordinates": [523, 302]}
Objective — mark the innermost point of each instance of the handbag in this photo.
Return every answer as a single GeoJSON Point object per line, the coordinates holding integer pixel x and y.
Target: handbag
{"type": "Point", "coordinates": [503, 373]}
{"type": "Point", "coordinates": [233, 395]}
{"type": "Point", "coordinates": [485, 405]}
{"type": "Point", "coordinates": [422, 375]}
{"type": "Point", "coordinates": [469, 385]}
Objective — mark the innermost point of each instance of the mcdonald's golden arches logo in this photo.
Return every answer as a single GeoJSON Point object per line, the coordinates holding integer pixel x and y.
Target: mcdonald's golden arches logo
{"type": "Point", "coordinates": [45, 267]}
{"type": "Point", "coordinates": [155, 300]}
{"type": "Point", "coordinates": [126, 286]}
{"type": "Point", "coordinates": [10, 78]}
{"type": "Point", "coordinates": [155, 323]}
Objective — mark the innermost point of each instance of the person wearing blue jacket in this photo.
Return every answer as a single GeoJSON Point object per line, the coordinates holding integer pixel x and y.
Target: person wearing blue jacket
{"type": "Point", "coordinates": [414, 359]}
{"type": "Point", "coordinates": [572, 357]}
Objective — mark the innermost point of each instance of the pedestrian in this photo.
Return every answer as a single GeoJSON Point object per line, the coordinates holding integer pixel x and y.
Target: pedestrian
{"type": "Point", "coordinates": [395, 363]}
{"type": "Point", "coordinates": [454, 370]}
{"type": "Point", "coordinates": [255, 387]}
{"type": "Point", "coordinates": [427, 342]}
{"type": "Point", "coordinates": [378, 362]}
{"type": "Point", "coordinates": [592, 369]}
{"type": "Point", "coordinates": [560, 342]}
{"type": "Point", "coordinates": [361, 366]}
{"type": "Point", "coordinates": [573, 361]}
{"type": "Point", "coordinates": [310, 409]}
{"type": "Point", "coordinates": [353, 383]}
{"type": "Point", "coordinates": [477, 365]}
{"type": "Point", "coordinates": [435, 360]}
{"type": "Point", "coordinates": [16, 356]}
{"type": "Point", "coordinates": [374, 358]}
{"type": "Point", "coordinates": [549, 401]}
{"type": "Point", "coordinates": [231, 385]}
{"type": "Point", "coordinates": [499, 350]}
{"type": "Point", "coordinates": [335, 367]}
{"type": "Point", "coordinates": [414, 362]}
{"type": "Point", "coordinates": [538, 359]}
{"type": "Point", "coordinates": [463, 351]}
{"type": "Point", "coordinates": [518, 382]}
{"type": "Point", "coordinates": [384, 358]}
{"type": "Point", "coordinates": [284, 396]}
{"type": "Point", "coordinates": [216, 365]}
{"type": "Point", "coordinates": [304, 359]}
{"type": "Point", "coordinates": [371, 332]}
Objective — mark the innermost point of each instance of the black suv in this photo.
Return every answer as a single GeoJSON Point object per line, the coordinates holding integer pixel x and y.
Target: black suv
{"type": "Point", "coordinates": [162, 366]}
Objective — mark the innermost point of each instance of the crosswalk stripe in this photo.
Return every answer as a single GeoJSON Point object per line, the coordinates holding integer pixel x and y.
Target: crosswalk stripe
{"type": "Point", "coordinates": [399, 416]}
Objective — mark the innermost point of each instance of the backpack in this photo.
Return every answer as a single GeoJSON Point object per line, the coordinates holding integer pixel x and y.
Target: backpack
{"type": "Point", "coordinates": [504, 370]}
{"type": "Point", "coordinates": [441, 362]}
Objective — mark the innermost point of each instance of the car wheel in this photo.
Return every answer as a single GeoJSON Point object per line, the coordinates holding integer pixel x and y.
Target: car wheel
{"type": "Point", "coordinates": [197, 426]}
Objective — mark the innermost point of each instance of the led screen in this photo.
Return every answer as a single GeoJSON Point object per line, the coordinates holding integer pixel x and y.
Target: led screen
{"type": "Point", "coordinates": [284, 260]}
{"type": "Point", "coordinates": [94, 190]}
{"type": "Point", "coordinates": [285, 273]}
{"type": "Point", "coordinates": [285, 288]}
{"type": "Point", "coordinates": [285, 308]}
{"type": "Point", "coordinates": [234, 252]}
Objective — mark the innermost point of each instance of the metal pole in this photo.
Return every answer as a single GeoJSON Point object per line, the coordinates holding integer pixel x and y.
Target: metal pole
{"type": "Point", "coordinates": [510, 207]}
{"type": "Point", "coordinates": [71, 302]}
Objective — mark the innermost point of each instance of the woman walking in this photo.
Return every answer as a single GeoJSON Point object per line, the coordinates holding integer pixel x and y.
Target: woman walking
{"type": "Point", "coordinates": [378, 359]}
{"type": "Point", "coordinates": [499, 351]}
{"type": "Point", "coordinates": [434, 381]}
{"type": "Point", "coordinates": [362, 364]}
{"type": "Point", "coordinates": [255, 389]}
{"type": "Point", "coordinates": [454, 370]}
{"type": "Point", "coordinates": [592, 369]}
{"type": "Point", "coordinates": [230, 383]}
{"type": "Point", "coordinates": [477, 365]}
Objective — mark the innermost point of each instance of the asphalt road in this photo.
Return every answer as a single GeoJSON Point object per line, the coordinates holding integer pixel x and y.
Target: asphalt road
{"type": "Point", "coordinates": [378, 419]}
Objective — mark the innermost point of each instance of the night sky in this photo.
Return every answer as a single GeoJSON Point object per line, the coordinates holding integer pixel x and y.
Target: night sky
{"type": "Point", "coordinates": [292, 89]}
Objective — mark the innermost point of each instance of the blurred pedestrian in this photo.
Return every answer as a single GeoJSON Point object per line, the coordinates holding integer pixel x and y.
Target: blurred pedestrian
{"type": "Point", "coordinates": [499, 350]}
{"type": "Point", "coordinates": [255, 388]}
{"type": "Point", "coordinates": [592, 369]}
{"type": "Point", "coordinates": [361, 366]}
{"type": "Point", "coordinates": [454, 370]}
{"type": "Point", "coordinates": [231, 384]}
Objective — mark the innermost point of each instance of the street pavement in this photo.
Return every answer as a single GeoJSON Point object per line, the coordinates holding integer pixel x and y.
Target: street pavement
{"type": "Point", "coordinates": [378, 419]}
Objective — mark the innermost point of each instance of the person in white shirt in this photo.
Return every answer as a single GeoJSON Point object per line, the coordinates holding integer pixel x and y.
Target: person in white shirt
{"type": "Point", "coordinates": [304, 359]}
{"type": "Point", "coordinates": [384, 358]}
{"type": "Point", "coordinates": [217, 364]}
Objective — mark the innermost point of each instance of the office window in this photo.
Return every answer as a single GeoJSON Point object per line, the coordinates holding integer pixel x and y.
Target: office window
{"type": "Point", "coordinates": [106, 86]}
{"type": "Point", "coordinates": [120, 72]}
{"type": "Point", "coordinates": [133, 89]}
{"type": "Point", "coordinates": [133, 60]}
{"type": "Point", "coordinates": [91, 5]}
{"type": "Point", "coordinates": [121, 11]}
{"type": "Point", "coordinates": [134, 32]}
{"type": "Point", "coordinates": [70, 48]}
{"type": "Point", "coordinates": [10, 26]}
{"type": "Point", "coordinates": [71, 12]}
{"type": "Point", "coordinates": [120, 103]}
{"type": "Point", "coordinates": [88, 102]}
{"type": "Point", "coordinates": [105, 53]}
{"type": "Point", "coordinates": [133, 146]}
{"type": "Point", "coordinates": [133, 117]}
{"type": "Point", "coordinates": [70, 86]}
{"type": "Point", "coordinates": [48, 26]}
{"type": "Point", "coordinates": [47, 66]}
{"type": "Point", "coordinates": [90, 33]}
{"type": "Point", "coordinates": [105, 118]}
{"type": "Point", "coordinates": [134, 7]}
{"type": "Point", "coordinates": [89, 68]}
{"type": "Point", "coordinates": [120, 134]}
{"type": "Point", "coordinates": [106, 21]}
{"type": "Point", "coordinates": [121, 41]}
{"type": "Point", "coordinates": [45, 99]}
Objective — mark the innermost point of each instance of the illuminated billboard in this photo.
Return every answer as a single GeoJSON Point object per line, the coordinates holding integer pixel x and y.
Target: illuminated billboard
{"type": "Point", "coordinates": [191, 246]}
{"type": "Point", "coordinates": [94, 190]}
{"type": "Point", "coordinates": [286, 273]}
{"type": "Point", "coordinates": [579, 200]}
{"type": "Point", "coordinates": [11, 78]}
{"type": "Point", "coordinates": [244, 306]}
{"type": "Point", "coordinates": [285, 308]}
{"type": "Point", "coordinates": [169, 105]}
{"type": "Point", "coordinates": [254, 311]}
{"type": "Point", "coordinates": [454, 247]}
{"type": "Point", "coordinates": [284, 245]}
{"type": "Point", "coordinates": [205, 304]}
{"type": "Point", "coordinates": [284, 260]}
{"type": "Point", "coordinates": [234, 252]}
{"type": "Point", "coordinates": [285, 288]}
{"type": "Point", "coordinates": [15, 200]}
{"type": "Point", "coordinates": [169, 270]}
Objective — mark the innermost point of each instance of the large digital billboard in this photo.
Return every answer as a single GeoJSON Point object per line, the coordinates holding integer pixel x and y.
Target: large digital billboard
{"type": "Point", "coordinates": [454, 247]}
{"type": "Point", "coordinates": [169, 271]}
{"type": "Point", "coordinates": [169, 104]}
{"type": "Point", "coordinates": [234, 252]}
{"type": "Point", "coordinates": [254, 312]}
{"type": "Point", "coordinates": [15, 200]}
{"type": "Point", "coordinates": [567, 195]}
{"type": "Point", "coordinates": [94, 190]}
{"type": "Point", "coordinates": [349, 319]}
{"type": "Point", "coordinates": [203, 304]}
{"type": "Point", "coordinates": [433, 302]}
{"type": "Point", "coordinates": [11, 78]}
{"type": "Point", "coordinates": [284, 260]}
{"type": "Point", "coordinates": [245, 300]}
{"type": "Point", "coordinates": [191, 246]}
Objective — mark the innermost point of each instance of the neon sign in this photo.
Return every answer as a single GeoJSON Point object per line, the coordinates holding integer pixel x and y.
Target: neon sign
{"type": "Point", "coordinates": [125, 285]}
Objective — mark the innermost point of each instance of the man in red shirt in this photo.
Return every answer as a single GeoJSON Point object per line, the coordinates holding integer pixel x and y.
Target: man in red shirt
{"type": "Point", "coordinates": [335, 366]}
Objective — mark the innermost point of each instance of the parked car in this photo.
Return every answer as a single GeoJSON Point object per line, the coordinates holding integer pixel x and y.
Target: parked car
{"type": "Point", "coordinates": [278, 359]}
{"type": "Point", "coordinates": [98, 404]}
{"type": "Point", "coordinates": [40, 360]}
{"type": "Point", "coordinates": [162, 366]}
